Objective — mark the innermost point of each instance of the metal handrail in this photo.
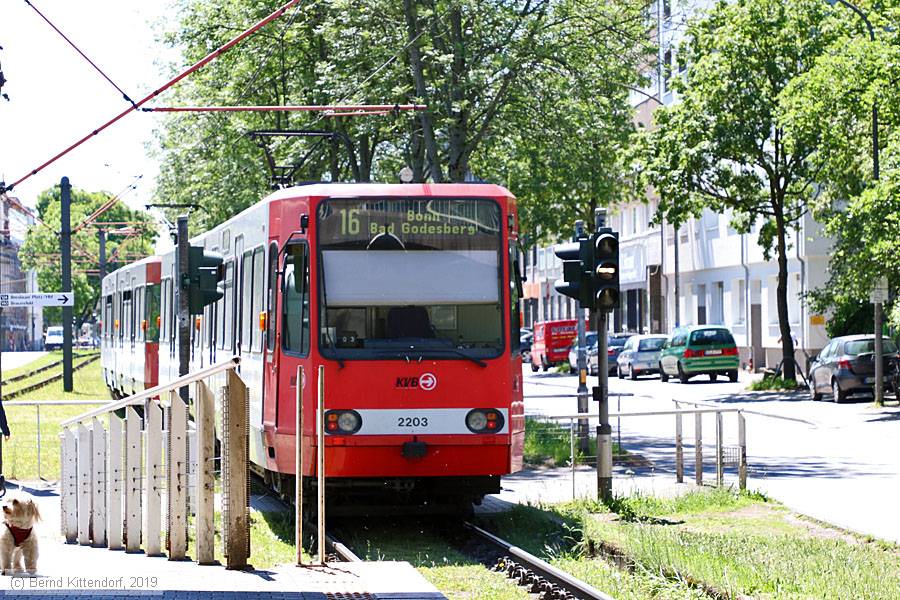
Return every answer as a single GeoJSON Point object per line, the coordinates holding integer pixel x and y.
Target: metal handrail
{"type": "Point", "coordinates": [749, 412]}
{"type": "Point", "coordinates": [219, 367]}
{"type": "Point", "coordinates": [653, 413]}
{"type": "Point", "coordinates": [55, 402]}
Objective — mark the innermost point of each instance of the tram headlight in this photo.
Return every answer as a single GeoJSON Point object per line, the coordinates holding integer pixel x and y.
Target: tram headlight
{"type": "Point", "coordinates": [342, 422]}
{"type": "Point", "coordinates": [484, 420]}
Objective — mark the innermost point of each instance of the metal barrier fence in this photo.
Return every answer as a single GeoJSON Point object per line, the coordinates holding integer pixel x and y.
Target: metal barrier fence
{"type": "Point", "coordinates": [114, 475]}
{"type": "Point", "coordinates": [25, 446]}
{"type": "Point", "coordinates": [734, 456]}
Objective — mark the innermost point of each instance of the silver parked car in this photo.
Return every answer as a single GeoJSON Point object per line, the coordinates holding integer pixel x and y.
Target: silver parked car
{"type": "Point", "coordinates": [847, 366]}
{"type": "Point", "coordinates": [640, 355]}
{"type": "Point", "coordinates": [590, 342]}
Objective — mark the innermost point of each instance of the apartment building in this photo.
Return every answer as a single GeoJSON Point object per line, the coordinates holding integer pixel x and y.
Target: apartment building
{"type": "Point", "coordinates": [721, 276]}
{"type": "Point", "coordinates": [20, 328]}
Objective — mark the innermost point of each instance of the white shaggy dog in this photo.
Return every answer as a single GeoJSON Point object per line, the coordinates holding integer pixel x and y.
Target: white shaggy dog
{"type": "Point", "coordinates": [18, 540]}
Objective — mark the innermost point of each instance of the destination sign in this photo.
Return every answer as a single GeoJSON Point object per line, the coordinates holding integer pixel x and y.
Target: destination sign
{"type": "Point", "coordinates": [410, 224]}
{"type": "Point", "coordinates": [38, 299]}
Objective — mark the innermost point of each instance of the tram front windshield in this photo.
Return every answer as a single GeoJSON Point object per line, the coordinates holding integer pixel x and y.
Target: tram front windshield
{"type": "Point", "coordinates": [410, 277]}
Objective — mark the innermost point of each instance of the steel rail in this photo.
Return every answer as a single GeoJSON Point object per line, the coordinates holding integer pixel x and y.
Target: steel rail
{"type": "Point", "coordinates": [575, 587]}
{"type": "Point", "coordinates": [219, 367]}
{"type": "Point", "coordinates": [651, 413]}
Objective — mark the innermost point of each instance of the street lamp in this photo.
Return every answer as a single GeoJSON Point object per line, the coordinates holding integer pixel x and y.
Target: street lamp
{"type": "Point", "coordinates": [879, 361]}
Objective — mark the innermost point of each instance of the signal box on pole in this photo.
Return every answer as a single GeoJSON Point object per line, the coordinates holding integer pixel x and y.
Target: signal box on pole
{"type": "Point", "coordinates": [205, 275]}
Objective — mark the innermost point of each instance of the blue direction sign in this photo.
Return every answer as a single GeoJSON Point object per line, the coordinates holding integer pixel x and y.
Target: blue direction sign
{"type": "Point", "coordinates": [55, 299]}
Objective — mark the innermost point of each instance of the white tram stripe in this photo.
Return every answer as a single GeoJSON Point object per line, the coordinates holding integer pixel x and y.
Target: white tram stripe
{"type": "Point", "coordinates": [412, 421]}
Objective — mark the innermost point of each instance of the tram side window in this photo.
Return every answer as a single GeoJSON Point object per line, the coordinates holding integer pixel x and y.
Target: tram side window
{"type": "Point", "coordinates": [126, 315]}
{"type": "Point", "coordinates": [117, 315]}
{"type": "Point", "coordinates": [515, 293]}
{"type": "Point", "coordinates": [270, 303]}
{"type": "Point", "coordinates": [140, 318]}
{"type": "Point", "coordinates": [246, 298]}
{"type": "Point", "coordinates": [295, 309]}
{"type": "Point", "coordinates": [258, 296]}
{"type": "Point", "coordinates": [107, 317]}
{"type": "Point", "coordinates": [228, 314]}
{"type": "Point", "coordinates": [152, 313]}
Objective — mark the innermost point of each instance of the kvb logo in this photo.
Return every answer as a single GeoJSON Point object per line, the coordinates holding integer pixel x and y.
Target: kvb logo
{"type": "Point", "coordinates": [427, 382]}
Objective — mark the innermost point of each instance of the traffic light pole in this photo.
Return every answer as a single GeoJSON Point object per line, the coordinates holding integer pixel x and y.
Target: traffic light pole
{"type": "Point", "coordinates": [184, 319]}
{"type": "Point", "coordinates": [604, 431]}
{"type": "Point", "coordinates": [584, 442]}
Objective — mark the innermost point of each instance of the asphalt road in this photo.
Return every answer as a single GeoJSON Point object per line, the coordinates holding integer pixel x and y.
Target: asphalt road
{"type": "Point", "coordinates": [835, 462]}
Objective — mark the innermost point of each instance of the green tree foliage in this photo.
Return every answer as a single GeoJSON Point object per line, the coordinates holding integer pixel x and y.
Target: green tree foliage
{"type": "Point", "coordinates": [529, 93]}
{"type": "Point", "coordinates": [830, 107]}
{"type": "Point", "coordinates": [722, 146]}
{"type": "Point", "coordinates": [41, 250]}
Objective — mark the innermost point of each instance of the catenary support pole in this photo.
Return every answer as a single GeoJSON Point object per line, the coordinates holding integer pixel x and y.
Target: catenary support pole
{"type": "Point", "coordinates": [181, 289]}
{"type": "Point", "coordinates": [65, 248]}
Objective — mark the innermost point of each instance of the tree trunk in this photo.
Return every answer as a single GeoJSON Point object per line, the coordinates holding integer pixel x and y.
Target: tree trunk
{"type": "Point", "coordinates": [457, 160]}
{"type": "Point", "coordinates": [415, 65]}
{"type": "Point", "coordinates": [784, 323]}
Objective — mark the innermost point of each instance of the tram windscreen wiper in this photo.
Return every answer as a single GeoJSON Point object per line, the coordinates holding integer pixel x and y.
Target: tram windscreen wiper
{"type": "Point", "coordinates": [401, 345]}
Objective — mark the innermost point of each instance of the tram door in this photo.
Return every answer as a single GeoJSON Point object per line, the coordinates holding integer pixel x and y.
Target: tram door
{"type": "Point", "coordinates": [271, 348]}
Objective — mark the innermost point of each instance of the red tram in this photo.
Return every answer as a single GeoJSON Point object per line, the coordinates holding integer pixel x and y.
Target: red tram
{"type": "Point", "coordinates": [130, 317]}
{"type": "Point", "coordinates": [408, 294]}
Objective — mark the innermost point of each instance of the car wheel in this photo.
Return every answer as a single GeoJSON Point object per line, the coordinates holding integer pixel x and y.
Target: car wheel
{"type": "Point", "coordinates": [619, 372]}
{"type": "Point", "coordinates": [632, 374]}
{"type": "Point", "coordinates": [837, 394]}
{"type": "Point", "coordinates": [813, 394]}
{"type": "Point", "coordinates": [733, 376]}
{"type": "Point", "coordinates": [682, 376]}
{"type": "Point", "coordinates": [712, 377]}
{"type": "Point", "coordinates": [663, 376]}
{"type": "Point", "coordinates": [534, 368]}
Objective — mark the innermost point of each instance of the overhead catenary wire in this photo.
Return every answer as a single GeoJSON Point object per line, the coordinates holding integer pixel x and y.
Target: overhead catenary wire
{"type": "Point", "coordinates": [193, 68]}
{"type": "Point", "coordinates": [83, 55]}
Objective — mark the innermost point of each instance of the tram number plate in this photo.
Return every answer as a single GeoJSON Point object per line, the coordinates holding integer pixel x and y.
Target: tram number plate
{"type": "Point", "coordinates": [412, 421]}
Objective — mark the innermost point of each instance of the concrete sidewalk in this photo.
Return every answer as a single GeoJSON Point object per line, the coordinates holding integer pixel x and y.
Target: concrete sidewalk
{"type": "Point", "coordinates": [70, 570]}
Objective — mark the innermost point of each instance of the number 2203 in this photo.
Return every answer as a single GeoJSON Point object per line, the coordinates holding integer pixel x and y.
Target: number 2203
{"type": "Point", "coordinates": [412, 421]}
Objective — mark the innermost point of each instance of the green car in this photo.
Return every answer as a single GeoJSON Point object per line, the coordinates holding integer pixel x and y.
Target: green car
{"type": "Point", "coordinates": [697, 350]}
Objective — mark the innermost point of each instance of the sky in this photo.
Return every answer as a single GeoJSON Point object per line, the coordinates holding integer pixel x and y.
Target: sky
{"type": "Point", "coordinates": [56, 97]}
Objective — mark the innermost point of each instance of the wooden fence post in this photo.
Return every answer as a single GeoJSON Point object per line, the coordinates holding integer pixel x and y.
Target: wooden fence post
{"type": "Point", "coordinates": [98, 483]}
{"type": "Point", "coordinates": [84, 485]}
{"type": "Point", "coordinates": [133, 480]}
{"type": "Point", "coordinates": [206, 479]}
{"type": "Point", "coordinates": [114, 500]}
{"type": "Point", "coordinates": [69, 484]}
{"type": "Point", "coordinates": [235, 480]}
{"type": "Point", "coordinates": [153, 502]}
{"type": "Point", "coordinates": [176, 484]}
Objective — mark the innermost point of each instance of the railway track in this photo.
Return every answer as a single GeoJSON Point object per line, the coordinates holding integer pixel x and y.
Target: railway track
{"type": "Point", "coordinates": [46, 381]}
{"type": "Point", "coordinates": [536, 575]}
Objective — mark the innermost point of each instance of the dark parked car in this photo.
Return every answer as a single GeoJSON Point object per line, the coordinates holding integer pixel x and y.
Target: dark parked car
{"type": "Point", "coordinates": [614, 344]}
{"type": "Point", "coordinates": [525, 338]}
{"type": "Point", "coordinates": [590, 343]}
{"type": "Point", "coordinates": [847, 366]}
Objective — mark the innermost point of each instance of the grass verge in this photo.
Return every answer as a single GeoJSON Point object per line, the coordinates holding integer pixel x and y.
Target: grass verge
{"type": "Point", "coordinates": [20, 454]}
{"type": "Point", "coordinates": [772, 383]}
{"type": "Point", "coordinates": [457, 576]}
{"type": "Point", "coordinates": [728, 544]}
{"type": "Point", "coordinates": [549, 444]}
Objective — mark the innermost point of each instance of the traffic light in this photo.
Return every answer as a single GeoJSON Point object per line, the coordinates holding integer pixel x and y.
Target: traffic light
{"type": "Point", "coordinates": [577, 259]}
{"type": "Point", "coordinates": [605, 269]}
{"type": "Point", "coordinates": [205, 275]}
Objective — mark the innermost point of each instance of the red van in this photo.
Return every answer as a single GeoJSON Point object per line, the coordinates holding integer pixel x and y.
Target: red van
{"type": "Point", "coordinates": [551, 343]}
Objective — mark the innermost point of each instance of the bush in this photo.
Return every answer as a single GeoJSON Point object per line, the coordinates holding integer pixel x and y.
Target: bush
{"type": "Point", "coordinates": [773, 383]}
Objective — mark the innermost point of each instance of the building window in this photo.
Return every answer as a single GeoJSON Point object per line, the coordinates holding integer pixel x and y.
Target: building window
{"type": "Point", "coordinates": [667, 70]}
{"type": "Point", "coordinates": [740, 301]}
{"type": "Point", "coordinates": [718, 302]}
{"type": "Point", "coordinates": [667, 9]}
